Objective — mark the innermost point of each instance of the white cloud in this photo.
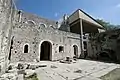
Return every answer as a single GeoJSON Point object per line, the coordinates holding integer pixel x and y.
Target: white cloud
{"type": "Point", "coordinates": [56, 14]}
{"type": "Point", "coordinates": [118, 6]}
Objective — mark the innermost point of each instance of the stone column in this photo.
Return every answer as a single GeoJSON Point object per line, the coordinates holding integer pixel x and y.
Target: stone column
{"type": "Point", "coordinates": [81, 38]}
{"type": "Point", "coordinates": [5, 32]}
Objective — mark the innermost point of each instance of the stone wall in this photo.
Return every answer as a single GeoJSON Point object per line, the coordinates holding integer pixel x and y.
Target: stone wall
{"type": "Point", "coordinates": [6, 17]}
{"type": "Point", "coordinates": [29, 31]}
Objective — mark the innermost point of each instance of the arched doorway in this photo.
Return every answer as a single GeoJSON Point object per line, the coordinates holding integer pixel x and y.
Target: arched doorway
{"type": "Point", "coordinates": [46, 51]}
{"type": "Point", "coordinates": [75, 50]}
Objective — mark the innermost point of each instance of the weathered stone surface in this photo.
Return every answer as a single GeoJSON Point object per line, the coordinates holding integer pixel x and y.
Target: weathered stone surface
{"type": "Point", "coordinates": [21, 72]}
{"type": "Point", "coordinates": [81, 70]}
{"type": "Point", "coordinates": [20, 66]}
{"type": "Point", "coordinates": [29, 72]}
{"type": "Point", "coordinates": [9, 76]}
{"type": "Point", "coordinates": [6, 18]}
{"type": "Point", "coordinates": [21, 77]}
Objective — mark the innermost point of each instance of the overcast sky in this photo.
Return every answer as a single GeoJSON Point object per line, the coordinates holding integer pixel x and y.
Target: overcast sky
{"type": "Point", "coordinates": [109, 10]}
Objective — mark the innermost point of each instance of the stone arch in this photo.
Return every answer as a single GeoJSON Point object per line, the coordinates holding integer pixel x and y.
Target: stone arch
{"type": "Point", "coordinates": [43, 25]}
{"type": "Point", "coordinates": [31, 23]}
{"type": "Point", "coordinates": [26, 48]}
{"type": "Point", "coordinates": [45, 50]}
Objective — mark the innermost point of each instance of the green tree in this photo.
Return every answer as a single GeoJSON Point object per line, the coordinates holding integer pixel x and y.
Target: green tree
{"type": "Point", "coordinates": [107, 25]}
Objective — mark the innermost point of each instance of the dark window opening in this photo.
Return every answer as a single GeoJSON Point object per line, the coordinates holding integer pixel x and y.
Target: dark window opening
{"type": "Point", "coordinates": [33, 43]}
{"type": "Point", "coordinates": [15, 51]}
{"type": "Point", "coordinates": [26, 49]}
{"type": "Point", "coordinates": [75, 50]}
{"type": "Point", "coordinates": [61, 49]}
{"type": "Point", "coordinates": [85, 45]}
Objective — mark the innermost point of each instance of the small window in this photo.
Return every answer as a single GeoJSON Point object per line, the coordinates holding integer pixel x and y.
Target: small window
{"type": "Point", "coordinates": [26, 49]}
{"type": "Point", "coordinates": [61, 49]}
{"type": "Point", "coordinates": [31, 23]}
{"type": "Point", "coordinates": [42, 25]}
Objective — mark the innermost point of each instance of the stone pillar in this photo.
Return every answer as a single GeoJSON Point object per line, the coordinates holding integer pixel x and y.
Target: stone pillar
{"type": "Point", "coordinates": [5, 32]}
{"type": "Point", "coordinates": [81, 38]}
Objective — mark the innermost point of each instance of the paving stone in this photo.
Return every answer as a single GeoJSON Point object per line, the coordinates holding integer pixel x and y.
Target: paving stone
{"type": "Point", "coordinates": [89, 70]}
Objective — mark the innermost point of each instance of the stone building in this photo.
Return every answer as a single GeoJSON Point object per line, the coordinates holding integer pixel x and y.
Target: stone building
{"type": "Point", "coordinates": [37, 38]}
{"type": "Point", "coordinates": [27, 37]}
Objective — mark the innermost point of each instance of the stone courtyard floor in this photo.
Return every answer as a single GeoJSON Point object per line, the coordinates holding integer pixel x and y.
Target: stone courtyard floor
{"type": "Point", "coordinates": [81, 70]}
